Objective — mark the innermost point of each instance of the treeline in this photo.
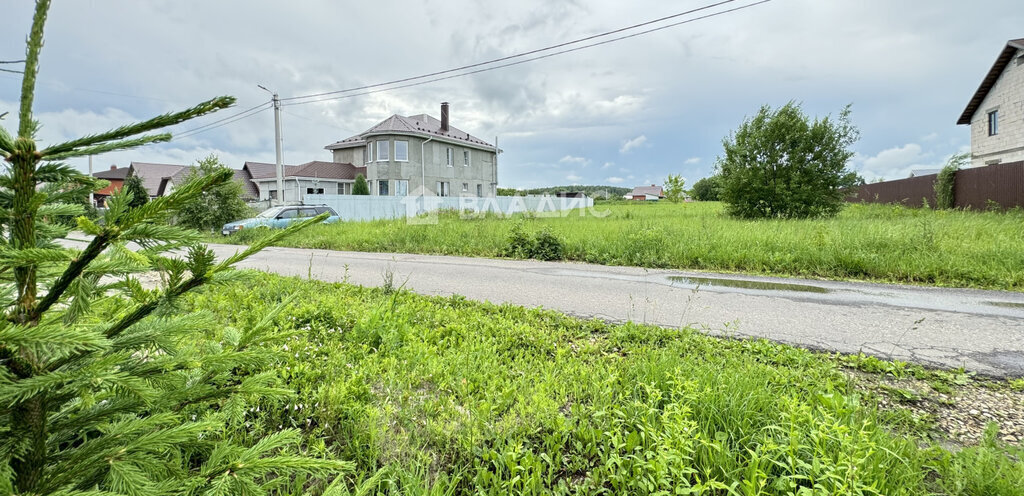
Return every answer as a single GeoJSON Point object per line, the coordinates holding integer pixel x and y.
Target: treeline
{"type": "Point", "coordinates": [591, 191]}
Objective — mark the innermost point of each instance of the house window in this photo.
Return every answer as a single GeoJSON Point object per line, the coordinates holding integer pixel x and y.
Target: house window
{"type": "Point", "coordinates": [993, 123]}
{"type": "Point", "coordinates": [465, 187]}
{"type": "Point", "coordinates": [369, 152]}
{"type": "Point", "coordinates": [401, 151]}
{"type": "Point", "coordinates": [273, 194]}
{"type": "Point", "coordinates": [382, 188]}
{"type": "Point", "coordinates": [465, 158]}
{"type": "Point", "coordinates": [479, 190]}
{"type": "Point", "coordinates": [314, 191]}
{"type": "Point", "coordinates": [443, 188]}
{"type": "Point", "coordinates": [449, 156]}
{"type": "Point", "coordinates": [401, 186]}
{"type": "Point", "coordinates": [383, 151]}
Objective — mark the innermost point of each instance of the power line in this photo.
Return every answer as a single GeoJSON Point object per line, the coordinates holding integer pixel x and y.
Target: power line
{"type": "Point", "coordinates": [224, 121]}
{"type": "Point", "coordinates": [509, 57]}
{"type": "Point", "coordinates": [9, 70]}
{"type": "Point", "coordinates": [12, 61]}
{"type": "Point", "coordinates": [518, 62]}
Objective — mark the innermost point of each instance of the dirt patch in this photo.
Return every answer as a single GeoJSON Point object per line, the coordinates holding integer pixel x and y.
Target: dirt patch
{"type": "Point", "coordinates": [958, 413]}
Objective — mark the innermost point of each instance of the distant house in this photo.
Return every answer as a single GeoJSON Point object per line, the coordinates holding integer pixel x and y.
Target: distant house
{"type": "Point", "coordinates": [996, 111]}
{"type": "Point", "coordinates": [316, 177]}
{"type": "Point", "coordinates": [646, 193]}
{"type": "Point", "coordinates": [116, 177]}
{"type": "Point", "coordinates": [421, 154]}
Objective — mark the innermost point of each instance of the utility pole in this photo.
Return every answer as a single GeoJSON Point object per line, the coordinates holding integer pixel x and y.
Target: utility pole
{"type": "Point", "coordinates": [278, 144]}
{"type": "Point", "coordinates": [92, 200]}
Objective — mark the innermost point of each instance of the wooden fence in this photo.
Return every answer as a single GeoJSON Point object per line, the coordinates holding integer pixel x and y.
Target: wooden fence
{"type": "Point", "coordinates": [975, 188]}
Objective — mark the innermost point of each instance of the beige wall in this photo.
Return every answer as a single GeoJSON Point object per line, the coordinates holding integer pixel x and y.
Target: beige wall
{"type": "Point", "coordinates": [1006, 96]}
{"type": "Point", "coordinates": [480, 171]}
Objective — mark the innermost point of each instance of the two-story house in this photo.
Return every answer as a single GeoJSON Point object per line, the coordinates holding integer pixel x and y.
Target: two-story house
{"type": "Point", "coordinates": [421, 155]}
{"type": "Point", "coordinates": [996, 111]}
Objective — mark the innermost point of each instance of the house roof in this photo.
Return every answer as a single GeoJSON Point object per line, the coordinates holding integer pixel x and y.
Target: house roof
{"type": "Point", "coordinates": [1009, 51]}
{"type": "Point", "coordinates": [417, 125]}
{"type": "Point", "coordinates": [316, 168]}
{"type": "Point", "coordinates": [113, 173]}
{"type": "Point", "coordinates": [153, 174]}
{"type": "Point", "coordinates": [648, 190]}
{"type": "Point", "coordinates": [249, 190]}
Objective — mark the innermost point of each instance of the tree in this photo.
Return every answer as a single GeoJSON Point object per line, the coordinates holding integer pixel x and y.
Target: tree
{"type": "Point", "coordinates": [707, 189]}
{"type": "Point", "coordinates": [103, 388]}
{"type": "Point", "coordinates": [360, 187]}
{"type": "Point", "coordinates": [215, 206]}
{"type": "Point", "coordinates": [674, 188]}
{"type": "Point", "coordinates": [780, 164]}
{"type": "Point", "coordinates": [133, 184]}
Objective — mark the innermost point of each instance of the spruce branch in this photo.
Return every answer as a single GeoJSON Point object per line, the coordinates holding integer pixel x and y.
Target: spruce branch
{"type": "Point", "coordinates": [27, 125]}
{"type": "Point", "coordinates": [79, 146]}
{"type": "Point", "coordinates": [112, 147]}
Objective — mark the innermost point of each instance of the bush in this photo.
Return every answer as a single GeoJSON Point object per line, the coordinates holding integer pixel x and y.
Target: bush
{"type": "Point", "coordinates": [707, 189]}
{"type": "Point", "coordinates": [780, 164]}
{"type": "Point", "coordinates": [545, 245]}
{"type": "Point", "coordinates": [674, 188]}
{"type": "Point", "coordinates": [216, 205]}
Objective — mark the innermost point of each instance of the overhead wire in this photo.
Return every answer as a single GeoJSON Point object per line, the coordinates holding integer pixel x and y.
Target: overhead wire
{"type": "Point", "coordinates": [249, 112]}
{"type": "Point", "coordinates": [514, 56]}
{"type": "Point", "coordinates": [518, 62]}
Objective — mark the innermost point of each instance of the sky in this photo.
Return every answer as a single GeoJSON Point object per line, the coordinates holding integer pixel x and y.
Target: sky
{"type": "Point", "coordinates": [625, 113]}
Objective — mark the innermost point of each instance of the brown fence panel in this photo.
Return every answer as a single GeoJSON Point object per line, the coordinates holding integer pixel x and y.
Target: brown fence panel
{"type": "Point", "coordinates": [909, 192]}
{"type": "Point", "coordinates": [974, 188]}
{"type": "Point", "coordinates": [1001, 183]}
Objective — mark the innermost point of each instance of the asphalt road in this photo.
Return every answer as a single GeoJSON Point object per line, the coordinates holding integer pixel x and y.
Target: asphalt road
{"type": "Point", "coordinates": [981, 331]}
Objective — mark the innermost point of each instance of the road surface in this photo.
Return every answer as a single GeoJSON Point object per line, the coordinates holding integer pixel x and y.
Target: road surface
{"type": "Point", "coordinates": [981, 331]}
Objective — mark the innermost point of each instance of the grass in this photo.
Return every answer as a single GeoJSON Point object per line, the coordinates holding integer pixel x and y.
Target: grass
{"type": "Point", "coordinates": [865, 242]}
{"type": "Point", "coordinates": [431, 395]}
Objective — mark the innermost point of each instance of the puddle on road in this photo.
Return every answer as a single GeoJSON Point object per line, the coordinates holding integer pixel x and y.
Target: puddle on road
{"type": "Point", "coordinates": [738, 283]}
{"type": "Point", "coordinates": [1005, 304]}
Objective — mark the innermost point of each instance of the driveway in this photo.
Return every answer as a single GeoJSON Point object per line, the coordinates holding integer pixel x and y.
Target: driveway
{"type": "Point", "coordinates": [981, 331]}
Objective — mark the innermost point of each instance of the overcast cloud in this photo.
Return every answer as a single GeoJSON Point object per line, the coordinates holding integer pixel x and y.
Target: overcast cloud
{"type": "Point", "coordinates": [638, 109]}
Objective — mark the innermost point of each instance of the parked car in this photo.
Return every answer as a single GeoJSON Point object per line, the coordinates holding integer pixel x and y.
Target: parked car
{"type": "Point", "coordinates": [278, 217]}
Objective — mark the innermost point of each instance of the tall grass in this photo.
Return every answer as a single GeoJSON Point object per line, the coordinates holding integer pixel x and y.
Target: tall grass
{"type": "Point", "coordinates": [446, 396]}
{"type": "Point", "coordinates": [870, 242]}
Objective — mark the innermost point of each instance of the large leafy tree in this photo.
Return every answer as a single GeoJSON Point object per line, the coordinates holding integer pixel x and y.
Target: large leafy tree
{"type": "Point", "coordinates": [706, 189]}
{"type": "Point", "coordinates": [103, 388]}
{"type": "Point", "coordinates": [782, 164]}
{"type": "Point", "coordinates": [217, 205]}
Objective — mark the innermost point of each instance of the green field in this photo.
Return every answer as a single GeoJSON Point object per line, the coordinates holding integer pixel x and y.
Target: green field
{"type": "Point", "coordinates": [865, 242]}
{"type": "Point", "coordinates": [430, 395]}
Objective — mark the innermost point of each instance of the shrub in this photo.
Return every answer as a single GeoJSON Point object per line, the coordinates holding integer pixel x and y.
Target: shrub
{"type": "Point", "coordinates": [545, 245]}
{"type": "Point", "coordinates": [780, 164]}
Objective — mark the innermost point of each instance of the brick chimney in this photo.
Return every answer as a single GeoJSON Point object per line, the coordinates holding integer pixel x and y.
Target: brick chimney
{"type": "Point", "coordinates": [113, 166]}
{"type": "Point", "coordinates": [444, 117]}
